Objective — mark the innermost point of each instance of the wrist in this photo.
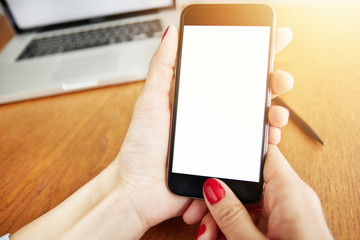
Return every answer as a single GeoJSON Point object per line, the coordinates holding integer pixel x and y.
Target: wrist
{"type": "Point", "coordinates": [114, 215]}
{"type": "Point", "coordinates": [100, 208]}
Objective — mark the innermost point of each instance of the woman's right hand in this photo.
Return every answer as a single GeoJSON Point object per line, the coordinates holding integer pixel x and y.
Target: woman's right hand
{"type": "Point", "coordinates": [290, 209]}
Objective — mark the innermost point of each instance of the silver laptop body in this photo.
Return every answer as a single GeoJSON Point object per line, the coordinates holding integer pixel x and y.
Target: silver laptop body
{"type": "Point", "coordinates": [24, 76]}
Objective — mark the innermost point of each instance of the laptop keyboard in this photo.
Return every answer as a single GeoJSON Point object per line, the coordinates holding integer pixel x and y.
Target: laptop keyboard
{"type": "Point", "coordinates": [92, 38]}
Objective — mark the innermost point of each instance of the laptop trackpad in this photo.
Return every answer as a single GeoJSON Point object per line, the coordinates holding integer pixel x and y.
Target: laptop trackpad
{"type": "Point", "coordinates": [73, 69]}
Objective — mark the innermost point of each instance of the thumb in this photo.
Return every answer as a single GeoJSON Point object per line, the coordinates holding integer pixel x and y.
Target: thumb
{"type": "Point", "coordinates": [161, 69]}
{"type": "Point", "coordinates": [277, 167]}
{"type": "Point", "coordinates": [229, 213]}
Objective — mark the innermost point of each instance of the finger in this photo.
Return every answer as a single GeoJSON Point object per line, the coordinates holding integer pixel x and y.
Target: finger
{"type": "Point", "coordinates": [286, 196]}
{"type": "Point", "coordinates": [274, 135]}
{"type": "Point", "coordinates": [262, 223]}
{"type": "Point", "coordinates": [161, 69]}
{"type": "Point", "coordinates": [195, 212]}
{"type": "Point", "coordinates": [278, 116]}
{"type": "Point", "coordinates": [254, 212]}
{"type": "Point", "coordinates": [229, 213]}
{"type": "Point", "coordinates": [281, 82]}
{"type": "Point", "coordinates": [258, 214]}
{"type": "Point", "coordinates": [208, 228]}
{"type": "Point", "coordinates": [277, 166]}
{"type": "Point", "coordinates": [283, 37]}
{"type": "Point", "coordinates": [281, 182]}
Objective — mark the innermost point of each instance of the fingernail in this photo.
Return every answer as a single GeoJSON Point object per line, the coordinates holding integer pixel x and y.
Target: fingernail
{"type": "Point", "coordinates": [165, 33]}
{"type": "Point", "coordinates": [213, 190]}
{"type": "Point", "coordinates": [201, 230]}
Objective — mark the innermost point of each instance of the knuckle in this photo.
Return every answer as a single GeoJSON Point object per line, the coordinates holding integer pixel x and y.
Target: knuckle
{"type": "Point", "coordinates": [231, 214]}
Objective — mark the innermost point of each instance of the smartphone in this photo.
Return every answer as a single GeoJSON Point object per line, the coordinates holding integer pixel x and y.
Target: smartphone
{"type": "Point", "coordinates": [219, 124]}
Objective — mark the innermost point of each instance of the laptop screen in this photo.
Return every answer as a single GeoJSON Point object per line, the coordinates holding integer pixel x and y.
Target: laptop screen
{"type": "Point", "coordinates": [40, 13]}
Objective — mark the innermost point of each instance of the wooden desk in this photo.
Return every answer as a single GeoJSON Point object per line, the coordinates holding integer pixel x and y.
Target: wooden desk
{"type": "Point", "coordinates": [52, 146]}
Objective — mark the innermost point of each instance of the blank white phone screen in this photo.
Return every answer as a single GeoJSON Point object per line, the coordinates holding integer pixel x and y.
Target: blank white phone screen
{"type": "Point", "coordinates": [221, 101]}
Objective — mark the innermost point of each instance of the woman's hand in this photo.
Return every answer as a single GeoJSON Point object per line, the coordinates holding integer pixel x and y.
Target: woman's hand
{"type": "Point", "coordinates": [290, 209]}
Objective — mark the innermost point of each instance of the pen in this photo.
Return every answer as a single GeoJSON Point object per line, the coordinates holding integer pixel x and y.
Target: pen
{"type": "Point", "coordinates": [299, 121]}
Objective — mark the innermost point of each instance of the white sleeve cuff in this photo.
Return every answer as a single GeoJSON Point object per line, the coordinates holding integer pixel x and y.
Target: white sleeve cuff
{"type": "Point", "coordinates": [5, 237]}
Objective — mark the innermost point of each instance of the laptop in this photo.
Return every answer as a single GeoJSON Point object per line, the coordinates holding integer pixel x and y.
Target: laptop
{"type": "Point", "coordinates": [64, 46]}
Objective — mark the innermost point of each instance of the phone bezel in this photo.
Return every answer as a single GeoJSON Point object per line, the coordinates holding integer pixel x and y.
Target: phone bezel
{"type": "Point", "coordinates": [222, 15]}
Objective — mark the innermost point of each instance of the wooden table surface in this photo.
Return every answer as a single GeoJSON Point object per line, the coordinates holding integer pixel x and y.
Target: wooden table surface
{"type": "Point", "coordinates": [50, 147]}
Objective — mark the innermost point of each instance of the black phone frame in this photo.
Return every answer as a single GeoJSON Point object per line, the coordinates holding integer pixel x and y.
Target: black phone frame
{"type": "Point", "coordinates": [222, 15]}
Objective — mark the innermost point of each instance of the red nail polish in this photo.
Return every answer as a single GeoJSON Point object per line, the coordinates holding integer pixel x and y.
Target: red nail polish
{"type": "Point", "coordinates": [213, 190]}
{"type": "Point", "coordinates": [201, 230]}
{"type": "Point", "coordinates": [165, 33]}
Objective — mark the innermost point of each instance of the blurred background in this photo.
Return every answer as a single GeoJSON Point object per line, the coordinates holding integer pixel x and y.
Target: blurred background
{"type": "Point", "coordinates": [271, 2]}
{"type": "Point", "coordinates": [275, 2]}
